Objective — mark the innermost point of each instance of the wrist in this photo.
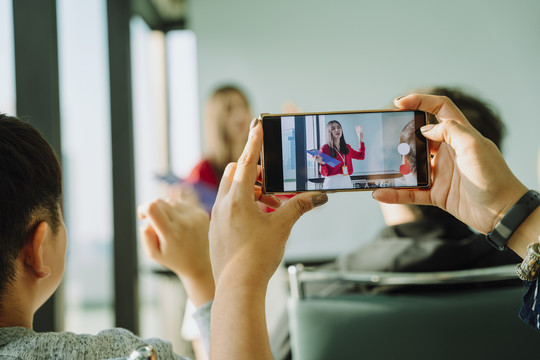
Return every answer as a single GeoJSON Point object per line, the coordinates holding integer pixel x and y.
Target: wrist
{"type": "Point", "coordinates": [514, 219]}
{"type": "Point", "coordinates": [239, 281]}
{"type": "Point", "coordinates": [508, 202]}
{"type": "Point", "coordinates": [527, 233]}
{"type": "Point", "coordinates": [200, 288]}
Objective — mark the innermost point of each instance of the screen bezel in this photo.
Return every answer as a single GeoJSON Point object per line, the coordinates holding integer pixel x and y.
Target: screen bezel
{"type": "Point", "coordinates": [271, 156]}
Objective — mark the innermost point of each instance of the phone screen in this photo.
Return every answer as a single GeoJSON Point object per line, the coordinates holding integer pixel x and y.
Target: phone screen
{"type": "Point", "coordinates": [343, 151]}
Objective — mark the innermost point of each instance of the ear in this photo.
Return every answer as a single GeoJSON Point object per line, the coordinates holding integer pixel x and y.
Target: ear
{"type": "Point", "coordinates": [34, 250]}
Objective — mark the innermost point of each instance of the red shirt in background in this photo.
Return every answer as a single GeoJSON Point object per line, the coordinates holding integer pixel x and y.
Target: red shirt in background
{"type": "Point", "coordinates": [204, 173]}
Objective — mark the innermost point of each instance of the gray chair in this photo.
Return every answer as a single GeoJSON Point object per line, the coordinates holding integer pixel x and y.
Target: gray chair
{"type": "Point", "coordinates": [440, 315]}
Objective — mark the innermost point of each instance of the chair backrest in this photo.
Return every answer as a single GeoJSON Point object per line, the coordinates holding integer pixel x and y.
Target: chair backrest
{"type": "Point", "coordinates": [435, 323]}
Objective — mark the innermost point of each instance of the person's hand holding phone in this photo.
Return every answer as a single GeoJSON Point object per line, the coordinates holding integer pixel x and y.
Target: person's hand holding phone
{"type": "Point", "coordinates": [246, 246]}
{"type": "Point", "coordinates": [470, 178]}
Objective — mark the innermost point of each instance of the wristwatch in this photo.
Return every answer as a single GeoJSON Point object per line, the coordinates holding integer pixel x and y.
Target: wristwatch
{"type": "Point", "coordinates": [499, 236]}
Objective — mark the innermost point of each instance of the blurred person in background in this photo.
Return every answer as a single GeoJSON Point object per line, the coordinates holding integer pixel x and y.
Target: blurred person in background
{"type": "Point", "coordinates": [227, 115]}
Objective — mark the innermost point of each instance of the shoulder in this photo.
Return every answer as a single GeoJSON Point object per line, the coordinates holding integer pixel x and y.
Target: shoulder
{"type": "Point", "coordinates": [325, 148]}
{"type": "Point", "coordinates": [112, 343]}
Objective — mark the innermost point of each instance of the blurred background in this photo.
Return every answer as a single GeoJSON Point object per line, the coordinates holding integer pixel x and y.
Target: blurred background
{"type": "Point", "coordinates": [118, 88]}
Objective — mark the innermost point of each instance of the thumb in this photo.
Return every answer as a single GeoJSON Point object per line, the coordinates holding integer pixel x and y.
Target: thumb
{"type": "Point", "coordinates": [150, 240]}
{"type": "Point", "coordinates": [301, 204]}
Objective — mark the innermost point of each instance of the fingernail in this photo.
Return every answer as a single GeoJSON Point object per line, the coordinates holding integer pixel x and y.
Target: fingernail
{"type": "Point", "coordinates": [427, 127]}
{"type": "Point", "coordinates": [278, 199]}
{"type": "Point", "coordinates": [399, 98]}
{"type": "Point", "coordinates": [254, 123]}
{"type": "Point", "coordinates": [319, 199]}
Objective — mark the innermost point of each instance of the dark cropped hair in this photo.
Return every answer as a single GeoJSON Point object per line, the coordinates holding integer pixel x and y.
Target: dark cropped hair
{"type": "Point", "coordinates": [408, 136]}
{"type": "Point", "coordinates": [482, 115]}
{"type": "Point", "coordinates": [30, 190]}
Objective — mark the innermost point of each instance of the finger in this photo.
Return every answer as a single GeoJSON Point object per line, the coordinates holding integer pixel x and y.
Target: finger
{"type": "Point", "coordinates": [226, 181]}
{"type": "Point", "coordinates": [299, 205]}
{"type": "Point", "coordinates": [440, 106]}
{"type": "Point", "coordinates": [269, 200]}
{"type": "Point", "coordinates": [150, 240]}
{"type": "Point", "coordinates": [461, 138]}
{"type": "Point", "coordinates": [157, 214]}
{"type": "Point", "coordinates": [259, 173]}
{"type": "Point", "coordinates": [246, 171]}
{"type": "Point", "coordinates": [395, 196]}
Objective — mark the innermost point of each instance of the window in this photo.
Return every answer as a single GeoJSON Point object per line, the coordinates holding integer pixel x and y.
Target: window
{"type": "Point", "coordinates": [150, 126]}
{"type": "Point", "coordinates": [166, 132]}
{"type": "Point", "coordinates": [7, 59]}
{"type": "Point", "coordinates": [185, 135]}
{"type": "Point", "coordinates": [84, 101]}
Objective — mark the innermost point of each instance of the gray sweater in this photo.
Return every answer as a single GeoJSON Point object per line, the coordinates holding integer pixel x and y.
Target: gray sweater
{"type": "Point", "coordinates": [24, 344]}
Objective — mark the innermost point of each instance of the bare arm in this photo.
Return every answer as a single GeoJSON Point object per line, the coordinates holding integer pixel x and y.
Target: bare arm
{"type": "Point", "coordinates": [247, 246]}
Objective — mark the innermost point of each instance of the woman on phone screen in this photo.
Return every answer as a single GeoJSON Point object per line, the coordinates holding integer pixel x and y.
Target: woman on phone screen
{"type": "Point", "coordinates": [338, 177]}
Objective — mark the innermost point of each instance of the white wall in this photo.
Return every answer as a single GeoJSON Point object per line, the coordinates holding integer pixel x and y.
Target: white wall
{"type": "Point", "coordinates": [356, 54]}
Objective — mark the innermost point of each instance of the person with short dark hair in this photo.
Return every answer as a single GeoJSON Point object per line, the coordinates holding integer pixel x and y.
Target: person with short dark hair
{"type": "Point", "coordinates": [33, 250]}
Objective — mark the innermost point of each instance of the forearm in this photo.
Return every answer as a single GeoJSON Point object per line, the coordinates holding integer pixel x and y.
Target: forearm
{"type": "Point", "coordinates": [360, 154]}
{"type": "Point", "coordinates": [238, 328]}
{"type": "Point", "coordinates": [528, 232]}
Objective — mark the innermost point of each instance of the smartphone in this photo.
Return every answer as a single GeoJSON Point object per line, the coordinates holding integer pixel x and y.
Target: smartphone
{"type": "Point", "coordinates": [344, 151]}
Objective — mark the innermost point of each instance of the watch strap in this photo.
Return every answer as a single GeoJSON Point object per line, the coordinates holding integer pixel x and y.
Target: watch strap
{"type": "Point", "coordinates": [500, 234]}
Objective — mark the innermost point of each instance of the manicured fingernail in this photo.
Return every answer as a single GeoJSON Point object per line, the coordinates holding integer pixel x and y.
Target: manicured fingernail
{"type": "Point", "coordinates": [427, 127]}
{"type": "Point", "coordinates": [254, 123]}
{"type": "Point", "coordinates": [319, 199]}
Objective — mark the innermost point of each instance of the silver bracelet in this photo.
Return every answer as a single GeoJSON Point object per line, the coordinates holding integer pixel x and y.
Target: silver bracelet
{"type": "Point", "coordinates": [528, 269]}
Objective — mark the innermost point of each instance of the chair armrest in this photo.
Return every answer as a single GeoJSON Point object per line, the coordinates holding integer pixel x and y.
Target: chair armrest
{"type": "Point", "coordinates": [300, 275]}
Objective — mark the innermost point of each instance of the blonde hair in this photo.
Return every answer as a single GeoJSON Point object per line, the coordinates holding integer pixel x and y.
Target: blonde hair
{"type": "Point", "coordinates": [218, 145]}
